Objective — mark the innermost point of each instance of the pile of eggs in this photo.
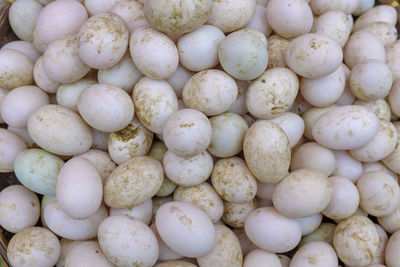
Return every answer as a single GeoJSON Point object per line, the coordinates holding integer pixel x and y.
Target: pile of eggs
{"type": "Point", "coordinates": [183, 133]}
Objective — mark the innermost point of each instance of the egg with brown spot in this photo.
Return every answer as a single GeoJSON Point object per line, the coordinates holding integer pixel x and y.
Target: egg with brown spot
{"type": "Point", "coordinates": [131, 11]}
{"type": "Point", "coordinates": [321, 6]}
{"type": "Point", "coordinates": [236, 213]}
{"type": "Point", "coordinates": [276, 51]}
{"type": "Point", "coordinates": [316, 254]}
{"type": "Point", "coordinates": [335, 24]}
{"type": "Point", "coordinates": [16, 71]}
{"type": "Point", "coordinates": [380, 107]}
{"type": "Point", "coordinates": [384, 13]}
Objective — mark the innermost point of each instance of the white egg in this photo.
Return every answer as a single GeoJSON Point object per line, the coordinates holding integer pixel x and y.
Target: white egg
{"type": "Point", "coordinates": [165, 252]}
{"type": "Point", "coordinates": [11, 145]}
{"type": "Point", "coordinates": [131, 11]}
{"type": "Point", "coordinates": [24, 47]}
{"type": "Point", "coordinates": [385, 13]}
{"type": "Point", "coordinates": [66, 247]}
{"type": "Point", "coordinates": [23, 134]}
{"type": "Point", "coordinates": [320, 253]}
{"type": "Point", "coordinates": [141, 212]}
{"type": "Point", "coordinates": [87, 253]}
{"type": "Point", "coordinates": [22, 17]}
{"type": "Point", "coordinates": [99, 6]}
{"type": "Point", "coordinates": [259, 21]}
{"type": "Point", "coordinates": [257, 257]}
{"type": "Point", "coordinates": [41, 78]}
{"type": "Point", "coordinates": [100, 160]}
{"type": "Point", "coordinates": [179, 79]}
{"type": "Point", "coordinates": [309, 224]}
{"type": "Point", "coordinates": [68, 94]}
{"type": "Point", "coordinates": [16, 70]}
{"type": "Point", "coordinates": [293, 126]}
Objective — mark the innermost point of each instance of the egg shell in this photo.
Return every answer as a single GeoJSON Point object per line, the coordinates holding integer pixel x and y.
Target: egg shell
{"type": "Point", "coordinates": [187, 132]}
{"type": "Point", "coordinates": [92, 48]}
{"type": "Point", "coordinates": [66, 246]}
{"type": "Point", "coordinates": [385, 13]}
{"type": "Point", "coordinates": [233, 181]}
{"type": "Point", "coordinates": [363, 45]}
{"type": "Point", "coordinates": [11, 145]}
{"type": "Point", "coordinates": [311, 116]}
{"type": "Point", "coordinates": [23, 134]}
{"type": "Point", "coordinates": [133, 182]}
{"type": "Point", "coordinates": [204, 197]}
{"type": "Point", "coordinates": [165, 252]}
{"type": "Point", "coordinates": [211, 92]}
{"type": "Point", "coordinates": [276, 51]}
{"type": "Point", "coordinates": [141, 212]}
{"type": "Point", "coordinates": [364, 6]}
{"type": "Point", "coordinates": [133, 140]}
{"type": "Point", "coordinates": [259, 21]}
{"type": "Point", "coordinates": [231, 15]}
{"type": "Point", "coordinates": [99, 6]}
{"type": "Point", "coordinates": [356, 240]}
{"type": "Point", "coordinates": [19, 208]}
{"type": "Point", "coordinates": [319, 252]}
{"type": "Point", "coordinates": [261, 228]}
{"type": "Point", "coordinates": [370, 80]}
{"type": "Point", "coordinates": [16, 71]}
{"type": "Point", "coordinates": [79, 188]}
{"type": "Point", "coordinates": [383, 239]}
{"type": "Point", "coordinates": [127, 241]}
{"type": "Point", "coordinates": [239, 106]}
{"type": "Point", "coordinates": [314, 156]}
{"type": "Point", "coordinates": [256, 257]}
{"type": "Point", "coordinates": [385, 31]}
{"type": "Point", "coordinates": [162, 15]}
{"type": "Point", "coordinates": [105, 107]}
{"type": "Point", "coordinates": [87, 253]}
{"type": "Point", "coordinates": [391, 222]}
{"type": "Point", "coordinates": [20, 103]}
{"type": "Point", "coordinates": [57, 15]}
{"type": "Point", "coordinates": [37, 170]}
{"type": "Point", "coordinates": [243, 55]}
{"type": "Point", "coordinates": [346, 127]}
{"type": "Point", "coordinates": [313, 55]}
{"type": "Point", "coordinates": [303, 193]}
{"type": "Point", "coordinates": [22, 17]}
{"type": "Point", "coordinates": [289, 18]}
{"type": "Point", "coordinates": [179, 79]}
{"type": "Point", "coordinates": [268, 158]}
{"type": "Point", "coordinates": [378, 166]}
{"type": "Point", "coordinates": [24, 47]}
{"type": "Point", "coordinates": [347, 166]}
{"type": "Point", "coordinates": [333, 85]}
{"type": "Point", "coordinates": [272, 93]}
{"type": "Point", "coordinates": [380, 107]}
{"type": "Point", "coordinates": [265, 191]}
{"type": "Point", "coordinates": [154, 53]}
{"type": "Point", "coordinates": [131, 11]}
{"type": "Point", "coordinates": [100, 140]}
{"type": "Point", "coordinates": [335, 24]}
{"type": "Point", "coordinates": [245, 243]}
{"type": "Point", "coordinates": [309, 224]}
{"type": "Point", "coordinates": [41, 78]}
{"type": "Point", "coordinates": [188, 171]}
{"type": "Point", "coordinates": [293, 126]}
{"type": "Point", "coordinates": [68, 94]}
{"type": "Point", "coordinates": [167, 188]}
{"type": "Point", "coordinates": [34, 246]}
{"type": "Point", "coordinates": [123, 75]}
{"type": "Point", "coordinates": [235, 214]}
{"type": "Point", "coordinates": [321, 6]}
{"type": "Point", "coordinates": [59, 130]}
{"type": "Point", "coordinates": [176, 263]}
{"type": "Point", "coordinates": [392, 249]}
{"type": "Point", "coordinates": [186, 229]}
{"type": "Point", "coordinates": [155, 101]}
{"type": "Point", "coordinates": [323, 233]}
{"type": "Point", "coordinates": [46, 199]}
{"type": "Point", "coordinates": [74, 229]}
{"type": "Point", "coordinates": [226, 252]}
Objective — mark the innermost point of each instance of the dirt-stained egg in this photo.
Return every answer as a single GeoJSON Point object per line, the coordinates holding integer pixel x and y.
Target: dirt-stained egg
{"type": "Point", "coordinates": [131, 11]}
{"type": "Point", "coordinates": [16, 70]}
{"type": "Point", "coordinates": [320, 253]}
{"type": "Point", "coordinates": [235, 214]}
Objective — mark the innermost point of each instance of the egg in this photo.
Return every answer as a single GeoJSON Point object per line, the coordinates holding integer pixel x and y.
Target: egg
{"type": "Point", "coordinates": [198, 50]}
{"type": "Point", "coordinates": [231, 15]}
{"type": "Point", "coordinates": [272, 93]}
{"type": "Point", "coordinates": [187, 132]}
{"type": "Point", "coordinates": [20, 103]}
{"type": "Point", "coordinates": [46, 199]}
{"type": "Point", "coordinates": [345, 199]}
{"type": "Point", "coordinates": [243, 55]}
{"type": "Point", "coordinates": [380, 107]}
{"type": "Point", "coordinates": [179, 79]}
{"type": "Point", "coordinates": [226, 252]}
{"type": "Point", "coordinates": [93, 51]}
{"type": "Point", "coordinates": [79, 188]}
{"type": "Point", "coordinates": [303, 193]}
{"type": "Point", "coordinates": [24, 47]}
{"type": "Point", "coordinates": [268, 157]}
{"type": "Point", "coordinates": [19, 208]}
{"type": "Point", "coordinates": [61, 61]}
{"type": "Point", "coordinates": [59, 130]}
{"type": "Point", "coordinates": [384, 30]}
{"type": "Point", "coordinates": [98, 6]}
{"type": "Point", "coordinates": [323, 233]}
{"type": "Point", "coordinates": [346, 127]}
{"type": "Point", "coordinates": [378, 166]}
{"type": "Point", "coordinates": [22, 17]}
{"type": "Point", "coordinates": [164, 58]}
{"type": "Point", "coordinates": [127, 241]}
{"type": "Point", "coordinates": [123, 75]}
{"type": "Point", "coordinates": [276, 51]}
{"type": "Point", "coordinates": [34, 246]}
{"type": "Point", "coordinates": [11, 145]}
{"type": "Point", "coordinates": [165, 252]}
{"type": "Point", "coordinates": [68, 93]}
{"type": "Point", "coordinates": [311, 116]}
{"type": "Point", "coordinates": [319, 252]}
{"type": "Point", "coordinates": [245, 243]}
{"type": "Point", "coordinates": [38, 169]}
{"type": "Point", "coordinates": [41, 78]}
{"type": "Point", "coordinates": [363, 45]}
{"type": "Point", "coordinates": [100, 160]}
{"type": "Point", "coordinates": [262, 226]}
{"type": "Point", "coordinates": [293, 126]}
{"type": "Point", "coordinates": [259, 21]}
{"type": "Point", "coordinates": [186, 229]}
{"type": "Point", "coordinates": [356, 240]}
{"type": "Point", "coordinates": [177, 16]}
{"type": "Point", "coordinates": [391, 222]}
{"type": "Point", "coordinates": [392, 59]}
{"type": "Point", "coordinates": [133, 182]}
{"type": "Point", "coordinates": [155, 101]}
{"type": "Point", "coordinates": [105, 107]}
{"type": "Point", "coordinates": [258, 256]}
{"type": "Point", "coordinates": [384, 13]}
{"type": "Point", "coordinates": [16, 70]}
{"type": "Point", "coordinates": [87, 253]}
{"type": "Point", "coordinates": [313, 55]}
{"type": "Point", "coordinates": [383, 239]}
{"type": "Point", "coordinates": [289, 18]}
{"type": "Point", "coordinates": [347, 166]}
{"type": "Point", "coordinates": [74, 229]}
{"type": "Point", "coordinates": [204, 197]}
{"type": "Point", "coordinates": [133, 140]}
{"type": "Point", "coordinates": [392, 249]}
{"type": "Point", "coordinates": [364, 6]}
{"type": "Point", "coordinates": [309, 224]}
{"type": "Point", "coordinates": [141, 212]}
{"type": "Point", "coordinates": [321, 6]}
{"type": "Point", "coordinates": [176, 263]}
{"type": "Point", "coordinates": [210, 91]}
{"type": "Point", "coordinates": [228, 131]}
{"type": "Point", "coordinates": [65, 16]}
{"type": "Point", "coordinates": [66, 247]}
{"type": "Point", "coordinates": [131, 11]}
{"type": "Point", "coordinates": [235, 214]}
{"type": "Point", "coordinates": [23, 134]}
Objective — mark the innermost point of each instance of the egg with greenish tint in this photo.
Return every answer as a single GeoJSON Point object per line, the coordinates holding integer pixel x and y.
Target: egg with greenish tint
{"type": "Point", "coordinates": [46, 199]}
{"type": "Point", "coordinates": [22, 17]}
{"type": "Point", "coordinates": [68, 93]}
{"type": "Point", "coordinates": [38, 169]}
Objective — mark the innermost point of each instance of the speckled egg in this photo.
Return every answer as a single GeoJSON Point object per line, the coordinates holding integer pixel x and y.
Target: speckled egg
{"type": "Point", "coordinates": [24, 47]}
{"type": "Point", "coordinates": [16, 70]}
{"type": "Point", "coordinates": [235, 214]}
{"type": "Point", "coordinates": [321, 253]}
{"type": "Point", "coordinates": [131, 11]}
